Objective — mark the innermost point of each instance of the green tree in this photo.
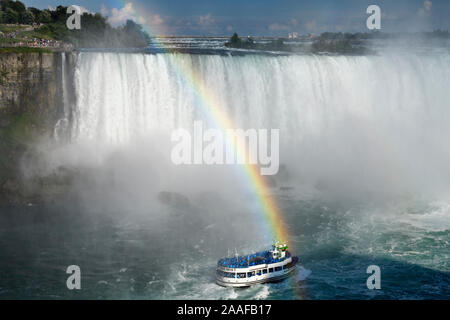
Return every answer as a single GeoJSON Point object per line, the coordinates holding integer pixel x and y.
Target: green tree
{"type": "Point", "coordinates": [5, 4]}
{"type": "Point", "coordinates": [26, 17]}
{"type": "Point", "coordinates": [235, 39]}
{"type": "Point", "coordinates": [18, 6]}
{"type": "Point", "coordinates": [59, 15]}
{"type": "Point", "coordinates": [135, 34]}
{"type": "Point", "coordinates": [35, 11]}
{"type": "Point", "coordinates": [11, 16]}
{"type": "Point", "coordinates": [44, 17]}
{"type": "Point", "coordinates": [131, 26]}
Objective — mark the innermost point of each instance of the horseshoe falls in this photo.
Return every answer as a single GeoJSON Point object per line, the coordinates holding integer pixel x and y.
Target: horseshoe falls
{"type": "Point", "coordinates": [378, 124]}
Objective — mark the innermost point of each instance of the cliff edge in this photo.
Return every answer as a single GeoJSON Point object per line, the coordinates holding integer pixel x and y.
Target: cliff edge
{"type": "Point", "coordinates": [30, 103]}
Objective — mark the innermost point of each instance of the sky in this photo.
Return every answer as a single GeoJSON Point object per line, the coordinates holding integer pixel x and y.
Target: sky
{"type": "Point", "coordinates": [265, 17]}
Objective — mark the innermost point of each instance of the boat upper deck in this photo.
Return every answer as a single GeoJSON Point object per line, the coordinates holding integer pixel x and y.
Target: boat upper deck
{"type": "Point", "coordinates": [264, 257]}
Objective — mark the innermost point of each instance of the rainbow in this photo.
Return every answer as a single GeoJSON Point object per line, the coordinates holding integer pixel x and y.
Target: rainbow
{"type": "Point", "coordinates": [215, 110]}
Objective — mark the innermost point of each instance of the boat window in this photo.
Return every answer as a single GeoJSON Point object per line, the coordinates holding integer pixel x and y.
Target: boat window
{"type": "Point", "coordinates": [241, 275]}
{"type": "Point", "coordinates": [264, 271]}
{"type": "Point", "coordinates": [277, 269]}
{"type": "Point", "coordinates": [258, 272]}
{"type": "Point", "coordinates": [249, 274]}
{"type": "Point", "coordinates": [270, 269]}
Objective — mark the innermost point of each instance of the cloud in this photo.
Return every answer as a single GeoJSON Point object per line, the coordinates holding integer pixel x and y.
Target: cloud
{"type": "Point", "coordinates": [118, 17]}
{"type": "Point", "coordinates": [104, 10]}
{"type": "Point", "coordinates": [206, 20]}
{"type": "Point", "coordinates": [425, 11]}
{"type": "Point", "coordinates": [156, 19]}
{"type": "Point", "coordinates": [229, 28]}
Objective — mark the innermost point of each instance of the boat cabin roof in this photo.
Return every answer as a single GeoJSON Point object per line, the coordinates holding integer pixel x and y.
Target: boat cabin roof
{"type": "Point", "coordinates": [264, 257]}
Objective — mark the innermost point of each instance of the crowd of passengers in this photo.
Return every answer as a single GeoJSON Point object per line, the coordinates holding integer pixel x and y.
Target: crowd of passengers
{"type": "Point", "coordinates": [250, 260]}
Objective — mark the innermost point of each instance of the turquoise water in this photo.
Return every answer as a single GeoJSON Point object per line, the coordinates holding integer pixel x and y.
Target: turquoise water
{"type": "Point", "coordinates": [124, 255]}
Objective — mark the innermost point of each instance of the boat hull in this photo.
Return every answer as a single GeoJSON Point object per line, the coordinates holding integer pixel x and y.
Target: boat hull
{"type": "Point", "coordinates": [242, 283]}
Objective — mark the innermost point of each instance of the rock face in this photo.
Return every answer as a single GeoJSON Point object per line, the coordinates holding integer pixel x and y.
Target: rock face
{"type": "Point", "coordinates": [29, 82]}
{"type": "Point", "coordinates": [30, 105]}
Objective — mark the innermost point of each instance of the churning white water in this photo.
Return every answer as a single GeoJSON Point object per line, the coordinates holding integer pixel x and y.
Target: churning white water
{"type": "Point", "coordinates": [346, 122]}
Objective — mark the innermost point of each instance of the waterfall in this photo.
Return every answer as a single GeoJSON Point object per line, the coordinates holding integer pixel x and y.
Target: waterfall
{"type": "Point", "coordinates": [62, 125]}
{"type": "Point", "coordinates": [344, 120]}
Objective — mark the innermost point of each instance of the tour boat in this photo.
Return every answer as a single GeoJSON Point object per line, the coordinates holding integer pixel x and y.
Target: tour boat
{"type": "Point", "coordinates": [260, 267]}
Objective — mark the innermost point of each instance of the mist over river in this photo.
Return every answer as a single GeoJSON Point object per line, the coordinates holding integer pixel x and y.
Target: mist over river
{"type": "Point", "coordinates": [364, 179]}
